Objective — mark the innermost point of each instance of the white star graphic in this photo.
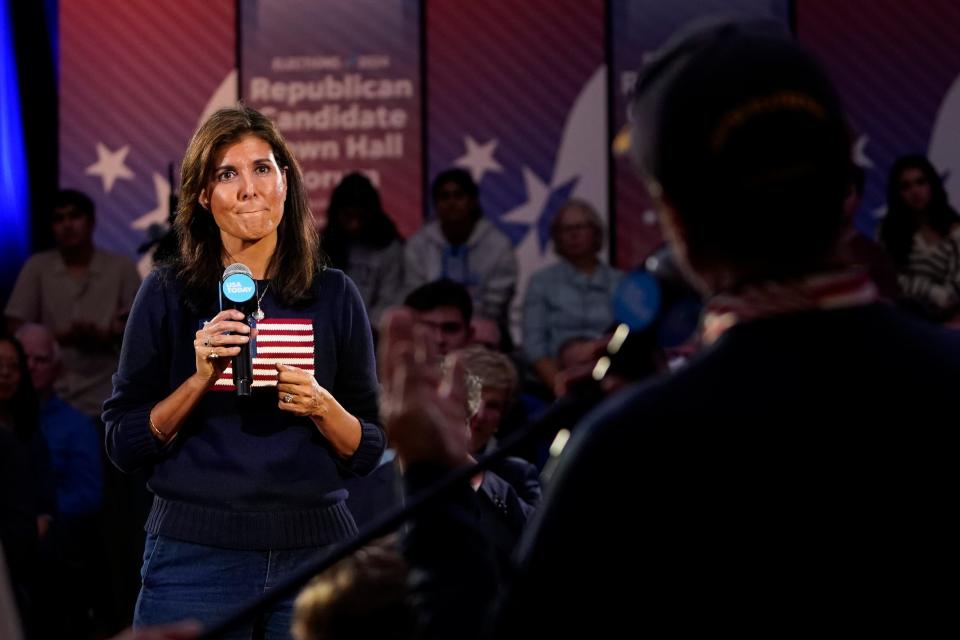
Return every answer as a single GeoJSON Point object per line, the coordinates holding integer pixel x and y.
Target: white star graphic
{"type": "Point", "coordinates": [158, 215]}
{"type": "Point", "coordinates": [479, 158]}
{"type": "Point", "coordinates": [110, 165]}
{"type": "Point", "coordinates": [530, 256]}
{"type": "Point", "coordinates": [537, 194]}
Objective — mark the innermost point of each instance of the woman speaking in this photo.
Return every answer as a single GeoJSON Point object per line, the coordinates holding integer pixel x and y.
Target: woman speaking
{"type": "Point", "coordinates": [245, 486]}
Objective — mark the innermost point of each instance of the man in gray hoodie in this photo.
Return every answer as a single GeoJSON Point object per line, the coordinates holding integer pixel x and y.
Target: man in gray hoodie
{"type": "Point", "coordinates": [463, 246]}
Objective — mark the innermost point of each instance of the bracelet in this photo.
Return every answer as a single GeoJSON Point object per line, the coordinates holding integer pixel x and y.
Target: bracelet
{"type": "Point", "coordinates": [164, 438]}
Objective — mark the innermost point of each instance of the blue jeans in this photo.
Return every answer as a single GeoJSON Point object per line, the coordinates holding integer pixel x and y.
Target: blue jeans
{"type": "Point", "coordinates": [183, 580]}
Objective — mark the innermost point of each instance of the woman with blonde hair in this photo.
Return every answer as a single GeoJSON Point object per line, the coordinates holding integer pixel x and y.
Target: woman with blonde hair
{"type": "Point", "coordinates": [572, 298]}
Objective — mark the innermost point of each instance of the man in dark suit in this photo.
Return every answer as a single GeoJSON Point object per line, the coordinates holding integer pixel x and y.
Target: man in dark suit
{"type": "Point", "coordinates": [795, 475]}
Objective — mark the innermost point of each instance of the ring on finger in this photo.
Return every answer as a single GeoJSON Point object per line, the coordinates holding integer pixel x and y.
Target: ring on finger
{"type": "Point", "coordinates": [287, 397]}
{"type": "Point", "coordinates": [206, 342]}
{"type": "Point", "coordinates": [212, 356]}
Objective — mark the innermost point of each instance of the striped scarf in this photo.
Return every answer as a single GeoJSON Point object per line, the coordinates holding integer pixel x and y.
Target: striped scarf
{"type": "Point", "coordinates": [832, 290]}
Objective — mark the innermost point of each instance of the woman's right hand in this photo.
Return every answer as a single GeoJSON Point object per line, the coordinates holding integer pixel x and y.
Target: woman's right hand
{"type": "Point", "coordinates": [217, 342]}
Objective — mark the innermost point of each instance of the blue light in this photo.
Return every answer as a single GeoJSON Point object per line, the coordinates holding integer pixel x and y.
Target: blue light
{"type": "Point", "coordinates": [14, 197]}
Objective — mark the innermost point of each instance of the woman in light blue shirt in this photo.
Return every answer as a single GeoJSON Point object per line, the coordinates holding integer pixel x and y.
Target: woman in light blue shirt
{"type": "Point", "coordinates": [571, 298]}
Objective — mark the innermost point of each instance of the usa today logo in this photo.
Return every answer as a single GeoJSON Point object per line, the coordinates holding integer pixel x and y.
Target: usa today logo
{"type": "Point", "coordinates": [239, 287]}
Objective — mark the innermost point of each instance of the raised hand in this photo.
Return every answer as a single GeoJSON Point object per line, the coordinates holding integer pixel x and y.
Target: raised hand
{"type": "Point", "coordinates": [424, 409]}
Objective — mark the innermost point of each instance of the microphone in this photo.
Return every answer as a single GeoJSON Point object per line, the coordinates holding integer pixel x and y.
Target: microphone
{"type": "Point", "coordinates": [238, 290]}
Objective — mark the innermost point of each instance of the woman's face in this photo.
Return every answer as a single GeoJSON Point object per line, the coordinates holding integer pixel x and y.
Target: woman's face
{"type": "Point", "coordinates": [575, 235]}
{"type": "Point", "coordinates": [9, 370]}
{"type": "Point", "coordinates": [915, 189]}
{"type": "Point", "coordinates": [352, 221]}
{"type": "Point", "coordinates": [247, 192]}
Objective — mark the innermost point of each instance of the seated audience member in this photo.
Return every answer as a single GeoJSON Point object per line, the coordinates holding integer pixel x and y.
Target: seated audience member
{"type": "Point", "coordinates": [70, 435]}
{"type": "Point", "coordinates": [503, 512]}
{"type": "Point", "coordinates": [83, 295]}
{"type": "Point", "coordinates": [579, 352]}
{"type": "Point", "coordinates": [769, 481]}
{"type": "Point", "coordinates": [498, 381]}
{"type": "Point", "coordinates": [443, 308]}
{"type": "Point", "coordinates": [571, 298]}
{"type": "Point", "coordinates": [921, 233]}
{"type": "Point", "coordinates": [361, 239]}
{"type": "Point", "coordinates": [463, 246]}
{"type": "Point", "coordinates": [71, 560]}
{"type": "Point", "coordinates": [486, 333]}
{"type": "Point", "coordinates": [27, 494]}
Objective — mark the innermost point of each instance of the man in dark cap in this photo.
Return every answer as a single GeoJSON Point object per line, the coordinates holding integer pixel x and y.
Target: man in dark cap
{"type": "Point", "coordinates": [792, 476]}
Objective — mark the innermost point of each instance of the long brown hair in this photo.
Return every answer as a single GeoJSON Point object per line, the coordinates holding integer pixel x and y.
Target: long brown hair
{"type": "Point", "coordinates": [901, 223]}
{"type": "Point", "coordinates": [297, 258]}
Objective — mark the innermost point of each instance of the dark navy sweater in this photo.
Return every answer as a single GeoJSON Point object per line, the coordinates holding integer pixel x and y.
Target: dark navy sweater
{"type": "Point", "coordinates": [241, 473]}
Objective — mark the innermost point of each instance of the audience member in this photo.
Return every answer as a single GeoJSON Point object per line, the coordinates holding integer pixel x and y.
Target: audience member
{"type": "Point", "coordinates": [443, 310]}
{"type": "Point", "coordinates": [486, 332]}
{"type": "Point", "coordinates": [73, 586]}
{"type": "Point", "coordinates": [361, 239]}
{"type": "Point", "coordinates": [921, 233]}
{"type": "Point", "coordinates": [83, 295]}
{"type": "Point", "coordinates": [463, 246]}
{"type": "Point", "coordinates": [27, 493]}
{"type": "Point", "coordinates": [571, 298]}
{"type": "Point", "coordinates": [498, 382]}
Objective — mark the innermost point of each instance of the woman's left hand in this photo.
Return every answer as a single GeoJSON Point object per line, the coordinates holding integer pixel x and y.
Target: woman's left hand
{"type": "Point", "coordinates": [300, 393]}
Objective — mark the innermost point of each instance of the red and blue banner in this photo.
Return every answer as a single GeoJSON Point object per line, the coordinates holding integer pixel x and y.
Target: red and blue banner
{"type": "Point", "coordinates": [342, 80]}
{"type": "Point", "coordinates": [136, 78]}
